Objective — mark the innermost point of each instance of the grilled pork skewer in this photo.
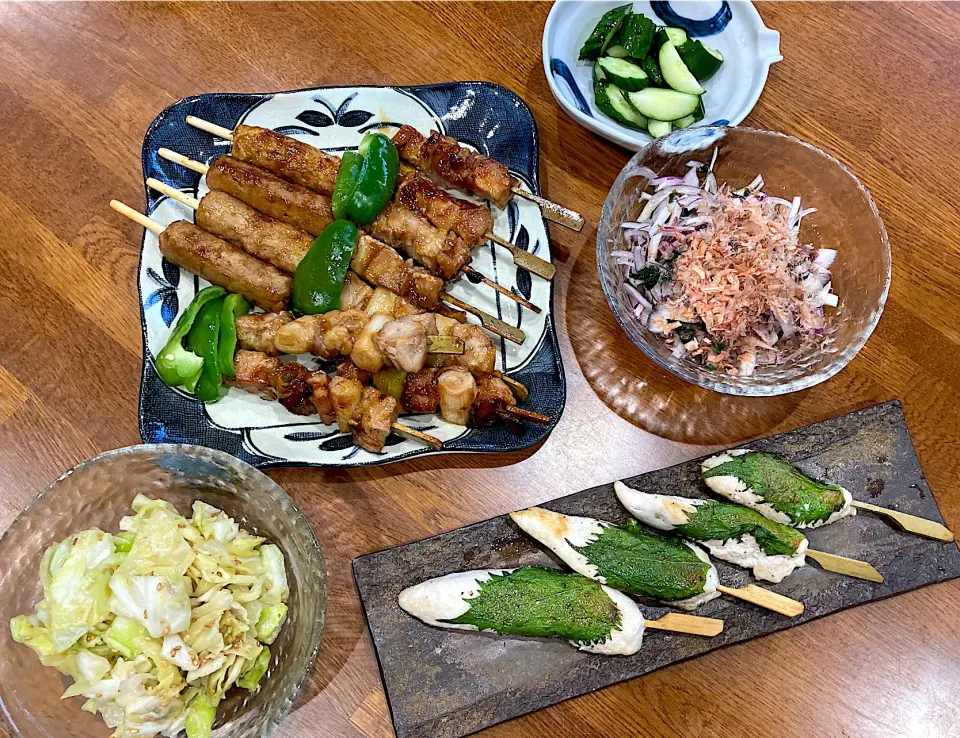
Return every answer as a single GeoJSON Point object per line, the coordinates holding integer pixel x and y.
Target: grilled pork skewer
{"type": "Point", "coordinates": [443, 253]}
{"type": "Point", "coordinates": [315, 169]}
{"type": "Point", "coordinates": [286, 202]}
{"type": "Point", "coordinates": [370, 416]}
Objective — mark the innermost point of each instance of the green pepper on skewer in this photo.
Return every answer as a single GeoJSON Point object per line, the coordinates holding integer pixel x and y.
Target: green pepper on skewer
{"type": "Point", "coordinates": [233, 306]}
{"type": "Point", "coordinates": [376, 181]}
{"type": "Point", "coordinates": [318, 281]}
{"type": "Point", "coordinates": [177, 366]}
{"type": "Point", "coordinates": [202, 340]}
{"type": "Point", "coordinates": [347, 177]}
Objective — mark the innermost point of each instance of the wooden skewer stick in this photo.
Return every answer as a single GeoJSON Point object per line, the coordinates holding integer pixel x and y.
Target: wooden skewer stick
{"type": "Point", "coordinates": [843, 565]}
{"type": "Point", "coordinates": [488, 320]}
{"type": "Point", "coordinates": [492, 324]}
{"type": "Point", "coordinates": [553, 211]}
{"type": "Point", "coordinates": [473, 274]}
{"type": "Point", "coordinates": [693, 624]}
{"type": "Point", "coordinates": [519, 389]}
{"type": "Point", "coordinates": [764, 598]}
{"type": "Point", "coordinates": [521, 258]}
{"type": "Point", "coordinates": [152, 225]}
{"type": "Point", "coordinates": [910, 523]}
{"type": "Point", "coordinates": [511, 412]}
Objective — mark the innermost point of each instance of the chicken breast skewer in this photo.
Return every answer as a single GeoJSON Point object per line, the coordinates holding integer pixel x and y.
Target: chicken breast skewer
{"type": "Point", "coordinates": [639, 562]}
{"type": "Point", "coordinates": [782, 493]}
{"type": "Point", "coordinates": [737, 534]}
{"type": "Point", "coordinates": [315, 169]}
{"type": "Point", "coordinates": [537, 602]}
{"type": "Point", "coordinates": [298, 207]}
{"type": "Point", "coordinates": [444, 254]}
{"type": "Point", "coordinates": [370, 416]}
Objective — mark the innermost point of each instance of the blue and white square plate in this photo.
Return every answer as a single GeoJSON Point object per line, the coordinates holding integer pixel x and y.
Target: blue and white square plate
{"type": "Point", "coordinates": [486, 116]}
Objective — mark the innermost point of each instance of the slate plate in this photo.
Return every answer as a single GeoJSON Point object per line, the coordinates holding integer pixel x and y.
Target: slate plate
{"type": "Point", "coordinates": [444, 684]}
{"type": "Point", "coordinates": [484, 115]}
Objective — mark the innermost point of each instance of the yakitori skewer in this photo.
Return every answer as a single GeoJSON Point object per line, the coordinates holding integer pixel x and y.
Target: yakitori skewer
{"type": "Point", "coordinates": [316, 169]}
{"type": "Point", "coordinates": [639, 562]}
{"type": "Point", "coordinates": [303, 216]}
{"type": "Point", "coordinates": [782, 493]}
{"type": "Point", "coordinates": [370, 416]}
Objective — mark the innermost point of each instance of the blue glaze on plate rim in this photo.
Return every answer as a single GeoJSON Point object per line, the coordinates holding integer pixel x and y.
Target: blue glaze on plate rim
{"type": "Point", "coordinates": [561, 70]}
{"type": "Point", "coordinates": [496, 121]}
{"type": "Point", "coordinates": [693, 27]}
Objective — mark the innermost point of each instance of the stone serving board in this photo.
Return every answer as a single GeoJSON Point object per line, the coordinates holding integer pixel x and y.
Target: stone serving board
{"type": "Point", "coordinates": [446, 684]}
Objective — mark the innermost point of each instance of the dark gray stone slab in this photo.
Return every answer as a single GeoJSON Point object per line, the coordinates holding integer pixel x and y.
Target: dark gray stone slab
{"type": "Point", "coordinates": [446, 684]}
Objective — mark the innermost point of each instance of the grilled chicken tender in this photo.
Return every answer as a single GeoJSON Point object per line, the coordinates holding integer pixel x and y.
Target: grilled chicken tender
{"type": "Point", "coordinates": [223, 264]}
{"type": "Point", "coordinates": [329, 335]}
{"type": "Point", "coordinates": [258, 331]}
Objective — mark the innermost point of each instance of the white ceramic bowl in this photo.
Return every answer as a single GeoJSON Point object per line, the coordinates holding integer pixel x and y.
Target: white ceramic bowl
{"type": "Point", "coordinates": [735, 28]}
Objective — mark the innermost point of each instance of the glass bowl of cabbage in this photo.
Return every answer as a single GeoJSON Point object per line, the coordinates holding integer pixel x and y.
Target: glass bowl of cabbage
{"type": "Point", "coordinates": [158, 590]}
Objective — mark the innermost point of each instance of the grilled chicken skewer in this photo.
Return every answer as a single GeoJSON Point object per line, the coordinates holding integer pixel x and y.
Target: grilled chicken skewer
{"type": "Point", "coordinates": [443, 253]}
{"type": "Point", "coordinates": [370, 416]}
{"type": "Point", "coordinates": [317, 170]}
{"type": "Point", "coordinates": [306, 211]}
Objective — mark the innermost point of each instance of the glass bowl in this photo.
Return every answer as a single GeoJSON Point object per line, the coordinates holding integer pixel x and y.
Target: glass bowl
{"type": "Point", "coordinates": [846, 220]}
{"type": "Point", "coordinates": [97, 493]}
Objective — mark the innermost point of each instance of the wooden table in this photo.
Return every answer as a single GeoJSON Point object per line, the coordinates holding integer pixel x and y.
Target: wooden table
{"type": "Point", "coordinates": [878, 85]}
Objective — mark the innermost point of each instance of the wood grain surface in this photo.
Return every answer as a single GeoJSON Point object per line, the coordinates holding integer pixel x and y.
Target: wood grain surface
{"type": "Point", "coordinates": [878, 85]}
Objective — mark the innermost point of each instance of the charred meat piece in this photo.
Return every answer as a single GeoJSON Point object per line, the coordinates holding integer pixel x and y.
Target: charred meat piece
{"type": "Point", "coordinates": [402, 343]}
{"type": "Point", "coordinates": [320, 396]}
{"type": "Point", "coordinates": [286, 157]}
{"type": "Point", "coordinates": [258, 331]}
{"type": "Point", "coordinates": [348, 370]}
{"type": "Point", "coordinates": [442, 252]}
{"type": "Point", "coordinates": [420, 392]}
{"type": "Point", "coordinates": [381, 266]}
{"type": "Point", "coordinates": [493, 395]}
{"type": "Point", "coordinates": [468, 220]}
{"type": "Point", "coordinates": [345, 394]}
{"type": "Point", "coordinates": [292, 388]}
{"type": "Point", "coordinates": [374, 419]}
{"type": "Point", "coordinates": [253, 370]}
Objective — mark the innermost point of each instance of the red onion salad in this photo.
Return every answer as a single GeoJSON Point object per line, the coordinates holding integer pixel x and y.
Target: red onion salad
{"type": "Point", "coordinates": [721, 274]}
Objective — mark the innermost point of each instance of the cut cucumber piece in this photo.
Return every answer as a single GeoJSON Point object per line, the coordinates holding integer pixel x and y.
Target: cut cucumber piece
{"type": "Point", "coordinates": [652, 68]}
{"type": "Point", "coordinates": [617, 52]}
{"type": "Point", "coordinates": [662, 104]}
{"type": "Point", "coordinates": [702, 61]}
{"type": "Point", "coordinates": [600, 96]}
{"type": "Point", "coordinates": [666, 34]}
{"type": "Point", "coordinates": [625, 75]}
{"type": "Point", "coordinates": [684, 122]}
{"type": "Point", "coordinates": [675, 72]}
{"type": "Point", "coordinates": [604, 33]}
{"type": "Point", "coordinates": [699, 113]}
{"type": "Point", "coordinates": [622, 110]}
{"type": "Point", "coordinates": [659, 128]}
{"type": "Point", "coordinates": [636, 35]}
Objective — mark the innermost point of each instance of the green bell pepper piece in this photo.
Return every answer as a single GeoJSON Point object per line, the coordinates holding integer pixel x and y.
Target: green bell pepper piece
{"type": "Point", "coordinates": [200, 716]}
{"type": "Point", "coordinates": [233, 306]}
{"type": "Point", "coordinates": [176, 365]}
{"type": "Point", "coordinates": [318, 281]}
{"type": "Point", "coordinates": [376, 181]}
{"type": "Point", "coordinates": [202, 340]}
{"type": "Point", "coordinates": [347, 177]}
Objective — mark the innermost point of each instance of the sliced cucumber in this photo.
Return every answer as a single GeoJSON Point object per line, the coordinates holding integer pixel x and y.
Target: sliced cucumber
{"type": "Point", "coordinates": [699, 113]}
{"type": "Point", "coordinates": [625, 75]}
{"type": "Point", "coordinates": [600, 96]}
{"type": "Point", "coordinates": [652, 68]}
{"type": "Point", "coordinates": [636, 35]}
{"type": "Point", "coordinates": [622, 111]}
{"type": "Point", "coordinates": [617, 52]}
{"type": "Point", "coordinates": [604, 32]}
{"type": "Point", "coordinates": [666, 34]}
{"type": "Point", "coordinates": [675, 72]}
{"type": "Point", "coordinates": [659, 128]}
{"type": "Point", "coordinates": [702, 61]}
{"type": "Point", "coordinates": [662, 104]}
{"type": "Point", "coordinates": [684, 122]}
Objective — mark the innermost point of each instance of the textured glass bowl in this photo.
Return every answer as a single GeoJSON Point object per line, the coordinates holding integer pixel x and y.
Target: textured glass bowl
{"type": "Point", "coordinates": [97, 493]}
{"type": "Point", "coordinates": [846, 220]}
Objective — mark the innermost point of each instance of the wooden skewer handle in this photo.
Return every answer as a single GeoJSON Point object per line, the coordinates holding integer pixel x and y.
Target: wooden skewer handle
{"type": "Point", "coordinates": [173, 193]}
{"type": "Point", "coordinates": [137, 217]}
{"type": "Point", "coordinates": [183, 161]}
{"type": "Point", "coordinates": [444, 345]}
{"type": "Point", "coordinates": [526, 416]}
{"type": "Point", "coordinates": [525, 259]}
{"type": "Point", "coordinates": [910, 523]}
{"type": "Point", "coordinates": [843, 565]}
{"type": "Point", "coordinates": [692, 624]}
{"type": "Point", "coordinates": [519, 389]}
{"type": "Point", "coordinates": [205, 125]}
{"type": "Point", "coordinates": [492, 324]}
{"type": "Point", "coordinates": [552, 211]}
{"type": "Point", "coordinates": [473, 274]}
{"type": "Point", "coordinates": [412, 433]}
{"type": "Point", "coordinates": [764, 598]}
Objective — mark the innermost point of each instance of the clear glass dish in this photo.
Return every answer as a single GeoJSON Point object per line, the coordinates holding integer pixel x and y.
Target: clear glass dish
{"type": "Point", "coordinates": [846, 220]}
{"type": "Point", "coordinates": [97, 493]}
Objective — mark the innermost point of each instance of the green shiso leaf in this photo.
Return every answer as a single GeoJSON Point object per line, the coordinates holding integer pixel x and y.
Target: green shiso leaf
{"type": "Point", "coordinates": [724, 521]}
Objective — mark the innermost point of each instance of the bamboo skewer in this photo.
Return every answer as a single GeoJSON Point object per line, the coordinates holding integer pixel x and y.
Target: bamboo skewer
{"type": "Point", "coordinates": [519, 390]}
{"type": "Point", "coordinates": [488, 321]}
{"type": "Point", "coordinates": [444, 345]}
{"type": "Point", "coordinates": [155, 227]}
{"type": "Point", "coordinates": [764, 598]}
{"type": "Point", "coordinates": [521, 258]}
{"type": "Point", "coordinates": [910, 523]}
{"type": "Point", "coordinates": [693, 624]}
{"type": "Point", "coordinates": [843, 565]}
{"type": "Point", "coordinates": [511, 412]}
{"type": "Point", "coordinates": [473, 274]}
